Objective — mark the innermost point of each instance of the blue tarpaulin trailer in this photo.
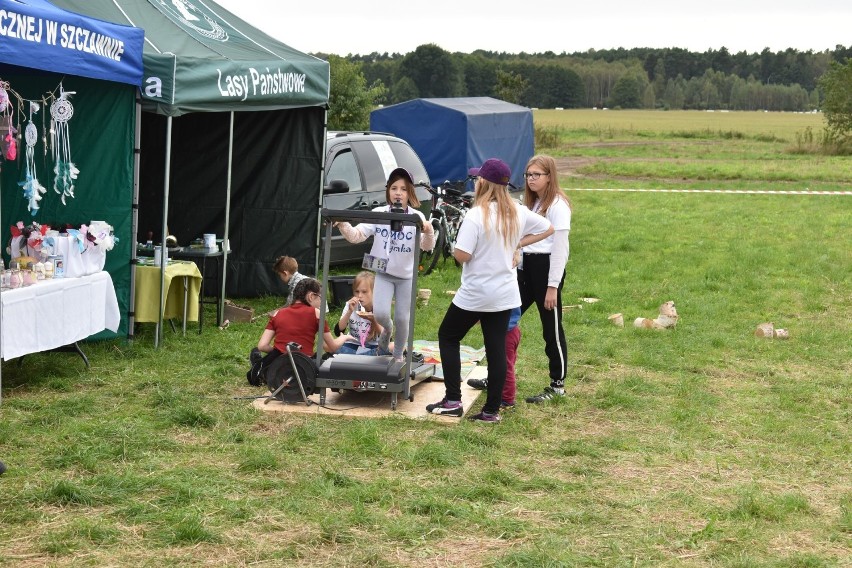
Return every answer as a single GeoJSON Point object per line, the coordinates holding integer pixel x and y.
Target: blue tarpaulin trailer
{"type": "Point", "coordinates": [452, 135]}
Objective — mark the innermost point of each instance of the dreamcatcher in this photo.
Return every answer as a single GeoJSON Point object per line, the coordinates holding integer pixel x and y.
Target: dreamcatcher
{"type": "Point", "coordinates": [32, 187]}
{"type": "Point", "coordinates": [66, 172]}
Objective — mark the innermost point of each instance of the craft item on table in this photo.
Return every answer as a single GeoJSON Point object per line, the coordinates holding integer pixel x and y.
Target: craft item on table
{"type": "Point", "coordinates": [102, 234]}
{"type": "Point", "coordinates": [58, 266]}
{"type": "Point", "coordinates": [66, 172]}
{"type": "Point", "coordinates": [27, 240]}
{"type": "Point", "coordinates": [32, 187]}
{"type": "Point", "coordinates": [15, 279]}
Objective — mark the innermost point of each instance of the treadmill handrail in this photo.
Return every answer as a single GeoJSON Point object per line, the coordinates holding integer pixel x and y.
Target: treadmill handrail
{"type": "Point", "coordinates": [369, 216]}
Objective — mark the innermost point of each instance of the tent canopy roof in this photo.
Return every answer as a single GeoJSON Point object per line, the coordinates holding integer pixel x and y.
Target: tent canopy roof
{"type": "Point", "coordinates": [476, 105]}
{"type": "Point", "coordinates": [198, 57]}
{"type": "Point", "coordinates": [452, 135]}
{"type": "Point", "coordinates": [38, 35]}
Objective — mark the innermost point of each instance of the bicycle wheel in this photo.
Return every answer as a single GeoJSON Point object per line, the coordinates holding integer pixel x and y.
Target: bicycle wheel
{"type": "Point", "coordinates": [429, 259]}
{"type": "Point", "coordinates": [452, 232]}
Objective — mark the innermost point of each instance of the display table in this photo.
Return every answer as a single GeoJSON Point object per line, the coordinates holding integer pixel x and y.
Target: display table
{"type": "Point", "coordinates": [180, 300]}
{"type": "Point", "coordinates": [55, 313]}
{"type": "Point", "coordinates": [200, 257]}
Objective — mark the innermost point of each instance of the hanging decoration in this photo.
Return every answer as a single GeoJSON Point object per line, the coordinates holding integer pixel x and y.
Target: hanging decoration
{"type": "Point", "coordinates": [66, 172]}
{"type": "Point", "coordinates": [32, 187]}
{"type": "Point", "coordinates": [7, 129]}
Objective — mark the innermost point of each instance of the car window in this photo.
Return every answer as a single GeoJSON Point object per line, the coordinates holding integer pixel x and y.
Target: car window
{"type": "Point", "coordinates": [407, 157]}
{"type": "Point", "coordinates": [343, 167]}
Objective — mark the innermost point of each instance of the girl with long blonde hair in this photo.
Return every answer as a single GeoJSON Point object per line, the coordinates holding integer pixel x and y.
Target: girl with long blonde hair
{"type": "Point", "coordinates": [489, 235]}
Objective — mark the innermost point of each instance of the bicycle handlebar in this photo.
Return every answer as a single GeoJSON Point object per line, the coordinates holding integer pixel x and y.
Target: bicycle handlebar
{"type": "Point", "coordinates": [450, 188]}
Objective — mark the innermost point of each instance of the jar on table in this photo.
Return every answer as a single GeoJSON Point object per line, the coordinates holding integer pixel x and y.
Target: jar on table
{"type": "Point", "coordinates": [28, 277]}
{"type": "Point", "coordinates": [15, 278]}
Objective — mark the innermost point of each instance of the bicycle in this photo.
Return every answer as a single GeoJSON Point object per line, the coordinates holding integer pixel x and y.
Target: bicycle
{"type": "Point", "coordinates": [450, 202]}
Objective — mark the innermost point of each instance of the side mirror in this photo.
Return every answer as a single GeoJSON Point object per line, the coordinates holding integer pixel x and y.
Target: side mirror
{"type": "Point", "coordinates": [336, 186]}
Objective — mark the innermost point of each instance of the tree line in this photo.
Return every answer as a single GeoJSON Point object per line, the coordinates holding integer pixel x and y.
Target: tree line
{"type": "Point", "coordinates": [650, 78]}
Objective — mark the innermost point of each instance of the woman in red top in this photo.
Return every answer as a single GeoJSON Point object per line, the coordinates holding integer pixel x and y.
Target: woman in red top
{"type": "Point", "coordinates": [296, 323]}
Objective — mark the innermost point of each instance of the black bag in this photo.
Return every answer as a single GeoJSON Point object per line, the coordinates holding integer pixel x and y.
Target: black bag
{"type": "Point", "coordinates": [255, 373]}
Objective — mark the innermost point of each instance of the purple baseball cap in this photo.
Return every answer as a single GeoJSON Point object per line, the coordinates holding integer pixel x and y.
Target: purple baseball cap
{"type": "Point", "coordinates": [493, 170]}
{"type": "Point", "coordinates": [399, 173]}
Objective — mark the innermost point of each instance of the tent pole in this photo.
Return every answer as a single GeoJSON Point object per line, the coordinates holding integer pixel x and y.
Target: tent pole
{"type": "Point", "coordinates": [163, 232]}
{"type": "Point", "coordinates": [225, 242]}
{"type": "Point", "coordinates": [134, 219]}
{"type": "Point", "coordinates": [322, 183]}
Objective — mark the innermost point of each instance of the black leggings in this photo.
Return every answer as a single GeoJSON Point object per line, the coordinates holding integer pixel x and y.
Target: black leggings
{"type": "Point", "coordinates": [532, 281]}
{"type": "Point", "coordinates": [457, 322]}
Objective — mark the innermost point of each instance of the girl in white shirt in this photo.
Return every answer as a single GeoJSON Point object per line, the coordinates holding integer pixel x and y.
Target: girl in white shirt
{"type": "Point", "coordinates": [494, 228]}
{"type": "Point", "coordinates": [357, 317]}
{"type": "Point", "coordinates": [542, 269]}
{"type": "Point", "coordinates": [395, 249]}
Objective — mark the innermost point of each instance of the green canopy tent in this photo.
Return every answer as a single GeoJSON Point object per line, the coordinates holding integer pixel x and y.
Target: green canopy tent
{"type": "Point", "coordinates": [211, 79]}
{"type": "Point", "coordinates": [43, 50]}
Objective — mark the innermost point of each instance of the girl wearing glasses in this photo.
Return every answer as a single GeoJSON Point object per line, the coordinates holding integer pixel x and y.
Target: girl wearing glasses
{"type": "Point", "coordinates": [541, 272]}
{"type": "Point", "coordinates": [299, 323]}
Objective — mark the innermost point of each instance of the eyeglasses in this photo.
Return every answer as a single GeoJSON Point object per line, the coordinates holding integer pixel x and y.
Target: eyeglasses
{"type": "Point", "coordinates": [534, 175]}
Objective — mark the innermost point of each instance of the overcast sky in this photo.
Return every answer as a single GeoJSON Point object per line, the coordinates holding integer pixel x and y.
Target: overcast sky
{"type": "Point", "coordinates": [345, 27]}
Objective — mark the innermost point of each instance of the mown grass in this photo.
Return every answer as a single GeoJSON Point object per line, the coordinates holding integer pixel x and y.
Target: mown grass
{"type": "Point", "coordinates": [698, 446]}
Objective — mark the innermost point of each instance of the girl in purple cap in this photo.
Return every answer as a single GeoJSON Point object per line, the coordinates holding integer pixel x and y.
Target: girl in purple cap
{"type": "Point", "coordinates": [394, 253]}
{"type": "Point", "coordinates": [494, 228]}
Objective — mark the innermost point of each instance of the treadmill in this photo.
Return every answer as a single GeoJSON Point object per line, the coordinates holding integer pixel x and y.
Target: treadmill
{"type": "Point", "coordinates": [365, 372]}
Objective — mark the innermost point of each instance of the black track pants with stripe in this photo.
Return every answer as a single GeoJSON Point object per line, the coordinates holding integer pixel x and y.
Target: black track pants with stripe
{"type": "Point", "coordinates": [532, 282]}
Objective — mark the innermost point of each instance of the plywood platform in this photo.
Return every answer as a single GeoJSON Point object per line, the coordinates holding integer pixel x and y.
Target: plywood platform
{"type": "Point", "coordinates": [354, 404]}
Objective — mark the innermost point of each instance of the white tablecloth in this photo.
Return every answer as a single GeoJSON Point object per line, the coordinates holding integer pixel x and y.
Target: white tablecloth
{"type": "Point", "coordinates": [56, 312]}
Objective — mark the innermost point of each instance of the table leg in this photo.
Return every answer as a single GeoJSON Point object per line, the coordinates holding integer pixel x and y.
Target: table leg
{"type": "Point", "coordinates": [201, 296]}
{"type": "Point", "coordinates": [185, 302]}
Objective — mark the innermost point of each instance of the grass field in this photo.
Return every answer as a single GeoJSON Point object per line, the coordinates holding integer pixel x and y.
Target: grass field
{"type": "Point", "coordinates": [697, 446]}
{"type": "Point", "coordinates": [692, 150]}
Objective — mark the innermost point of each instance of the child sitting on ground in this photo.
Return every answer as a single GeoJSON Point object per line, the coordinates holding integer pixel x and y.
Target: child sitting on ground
{"type": "Point", "coordinates": [287, 268]}
{"type": "Point", "coordinates": [358, 317]}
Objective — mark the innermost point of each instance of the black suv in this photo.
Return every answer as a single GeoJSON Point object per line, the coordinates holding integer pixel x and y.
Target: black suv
{"type": "Point", "coordinates": [357, 165]}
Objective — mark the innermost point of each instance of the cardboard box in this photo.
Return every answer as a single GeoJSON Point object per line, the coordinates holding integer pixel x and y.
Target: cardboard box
{"type": "Point", "coordinates": [235, 313]}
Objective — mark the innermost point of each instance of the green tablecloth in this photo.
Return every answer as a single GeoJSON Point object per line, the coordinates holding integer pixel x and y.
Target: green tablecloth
{"type": "Point", "coordinates": [148, 291]}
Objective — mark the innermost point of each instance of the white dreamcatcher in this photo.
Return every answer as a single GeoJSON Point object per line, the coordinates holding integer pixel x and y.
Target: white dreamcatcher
{"type": "Point", "coordinates": [32, 187]}
{"type": "Point", "coordinates": [66, 172]}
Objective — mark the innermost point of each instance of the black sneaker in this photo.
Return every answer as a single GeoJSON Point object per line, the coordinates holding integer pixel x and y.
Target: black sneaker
{"type": "Point", "coordinates": [445, 408]}
{"type": "Point", "coordinates": [485, 417]}
{"type": "Point", "coordinates": [547, 394]}
{"type": "Point", "coordinates": [479, 384]}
